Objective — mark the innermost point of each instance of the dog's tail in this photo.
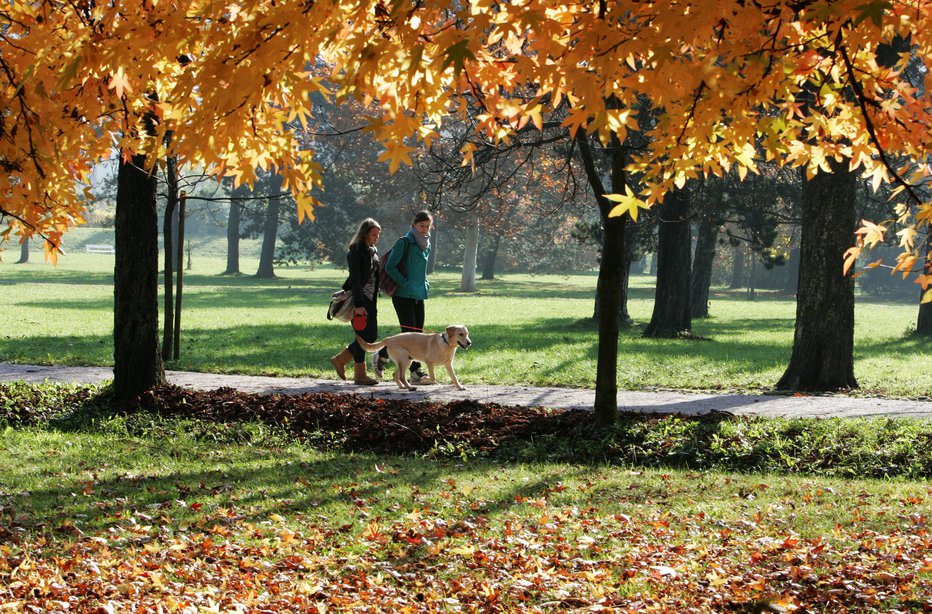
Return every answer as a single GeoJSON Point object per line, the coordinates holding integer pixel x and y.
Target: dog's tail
{"type": "Point", "coordinates": [371, 347]}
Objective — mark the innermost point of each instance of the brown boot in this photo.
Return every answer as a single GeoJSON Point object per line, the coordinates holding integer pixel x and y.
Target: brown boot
{"type": "Point", "coordinates": [360, 378]}
{"type": "Point", "coordinates": [340, 361]}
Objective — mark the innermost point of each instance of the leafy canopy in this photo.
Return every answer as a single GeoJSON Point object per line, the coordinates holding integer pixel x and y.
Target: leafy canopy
{"type": "Point", "coordinates": [803, 82]}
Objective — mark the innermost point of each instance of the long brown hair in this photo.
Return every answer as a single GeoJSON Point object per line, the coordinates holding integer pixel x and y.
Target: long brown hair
{"type": "Point", "coordinates": [359, 239]}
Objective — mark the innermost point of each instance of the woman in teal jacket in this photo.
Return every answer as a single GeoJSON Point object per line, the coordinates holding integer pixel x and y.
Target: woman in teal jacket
{"type": "Point", "coordinates": [413, 285]}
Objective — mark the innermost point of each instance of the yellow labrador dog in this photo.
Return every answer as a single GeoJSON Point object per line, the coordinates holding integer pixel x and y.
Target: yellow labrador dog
{"type": "Point", "coordinates": [429, 348]}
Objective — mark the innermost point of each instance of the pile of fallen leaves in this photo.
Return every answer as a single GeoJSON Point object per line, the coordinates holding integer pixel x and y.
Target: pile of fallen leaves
{"type": "Point", "coordinates": [362, 423]}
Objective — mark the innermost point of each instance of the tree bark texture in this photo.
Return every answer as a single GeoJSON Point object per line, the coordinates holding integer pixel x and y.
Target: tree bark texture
{"type": "Point", "coordinates": [672, 315]}
{"type": "Point", "coordinates": [137, 363]}
{"type": "Point", "coordinates": [267, 257]}
{"type": "Point", "coordinates": [470, 255]}
{"type": "Point", "coordinates": [823, 344]}
{"type": "Point", "coordinates": [233, 223]}
{"type": "Point", "coordinates": [707, 234]}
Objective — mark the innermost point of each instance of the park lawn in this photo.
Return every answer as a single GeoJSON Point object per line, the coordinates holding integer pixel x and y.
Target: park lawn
{"type": "Point", "coordinates": [135, 513]}
{"type": "Point", "coordinates": [526, 329]}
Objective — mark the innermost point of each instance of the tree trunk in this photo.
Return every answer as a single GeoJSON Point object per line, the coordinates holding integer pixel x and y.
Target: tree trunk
{"type": "Point", "coordinates": [137, 363]}
{"type": "Point", "coordinates": [737, 269]}
{"type": "Point", "coordinates": [672, 316]}
{"type": "Point", "coordinates": [823, 344]}
{"type": "Point", "coordinates": [792, 272]}
{"type": "Point", "coordinates": [470, 254]}
{"type": "Point", "coordinates": [23, 252]}
{"type": "Point", "coordinates": [924, 323]}
{"type": "Point", "coordinates": [605, 407]}
{"type": "Point", "coordinates": [168, 244]}
{"type": "Point", "coordinates": [702, 267]}
{"type": "Point", "coordinates": [267, 258]}
{"type": "Point", "coordinates": [434, 242]}
{"type": "Point", "coordinates": [233, 222]}
{"type": "Point", "coordinates": [491, 255]}
{"type": "Point", "coordinates": [624, 318]}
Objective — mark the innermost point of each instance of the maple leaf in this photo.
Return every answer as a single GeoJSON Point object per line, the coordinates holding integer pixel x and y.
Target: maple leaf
{"type": "Point", "coordinates": [457, 55]}
{"type": "Point", "coordinates": [396, 153]}
{"type": "Point", "coordinates": [119, 82]}
{"type": "Point", "coordinates": [627, 203]}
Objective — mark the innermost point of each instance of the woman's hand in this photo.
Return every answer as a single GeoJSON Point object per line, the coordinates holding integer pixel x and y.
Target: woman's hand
{"type": "Point", "coordinates": [360, 310]}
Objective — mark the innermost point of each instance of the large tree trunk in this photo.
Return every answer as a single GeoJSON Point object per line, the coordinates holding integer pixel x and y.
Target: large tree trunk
{"type": "Point", "coordinates": [137, 363]}
{"type": "Point", "coordinates": [23, 252]}
{"type": "Point", "coordinates": [707, 235]}
{"type": "Point", "coordinates": [491, 255]}
{"type": "Point", "coordinates": [470, 255]}
{"type": "Point", "coordinates": [267, 258]}
{"type": "Point", "coordinates": [168, 243]}
{"type": "Point", "coordinates": [823, 344]}
{"type": "Point", "coordinates": [672, 315]}
{"type": "Point", "coordinates": [924, 323]}
{"type": "Point", "coordinates": [233, 222]}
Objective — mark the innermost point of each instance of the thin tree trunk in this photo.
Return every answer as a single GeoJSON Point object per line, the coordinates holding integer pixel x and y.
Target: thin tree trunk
{"type": "Point", "coordinates": [491, 255]}
{"type": "Point", "coordinates": [168, 243]}
{"type": "Point", "coordinates": [470, 255]}
{"type": "Point", "coordinates": [672, 315]}
{"type": "Point", "coordinates": [137, 362]}
{"type": "Point", "coordinates": [823, 344]}
{"type": "Point", "coordinates": [267, 258]}
{"type": "Point", "coordinates": [23, 252]}
{"type": "Point", "coordinates": [233, 233]}
{"type": "Point", "coordinates": [176, 338]}
{"type": "Point", "coordinates": [737, 269]}
{"type": "Point", "coordinates": [702, 266]}
{"type": "Point", "coordinates": [792, 272]}
{"type": "Point", "coordinates": [624, 318]}
{"type": "Point", "coordinates": [924, 322]}
{"type": "Point", "coordinates": [605, 407]}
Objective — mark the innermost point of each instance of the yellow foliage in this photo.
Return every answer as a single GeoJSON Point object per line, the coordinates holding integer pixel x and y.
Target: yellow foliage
{"type": "Point", "coordinates": [226, 79]}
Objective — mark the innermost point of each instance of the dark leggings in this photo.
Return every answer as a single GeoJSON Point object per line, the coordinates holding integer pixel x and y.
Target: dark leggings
{"type": "Point", "coordinates": [410, 313]}
{"type": "Point", "coordinates": [370, 333]}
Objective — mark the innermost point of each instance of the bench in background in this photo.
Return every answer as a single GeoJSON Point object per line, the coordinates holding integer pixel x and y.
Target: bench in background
{"type": "Point", "coordinates": [99, 249]}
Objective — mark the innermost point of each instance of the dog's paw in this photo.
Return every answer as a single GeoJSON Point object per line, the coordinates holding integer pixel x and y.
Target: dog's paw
{"type": "Point", "coordinates": [460, 387]}
{"type": "Point", "coordinates": [412, 388]}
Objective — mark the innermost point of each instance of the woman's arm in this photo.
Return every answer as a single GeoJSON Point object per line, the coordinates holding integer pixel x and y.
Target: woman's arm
{"type": "Point", "coordinates": [394, 259]}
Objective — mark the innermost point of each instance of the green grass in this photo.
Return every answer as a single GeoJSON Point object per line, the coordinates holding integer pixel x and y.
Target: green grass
{"type": "Point", "coordinates": [526, 329]}
{"type": "Point", "coordinates": [108, 513]}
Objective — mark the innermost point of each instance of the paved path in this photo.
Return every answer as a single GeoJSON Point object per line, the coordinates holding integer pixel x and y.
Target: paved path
{"type": "Point", "coordinates": [647, 402]}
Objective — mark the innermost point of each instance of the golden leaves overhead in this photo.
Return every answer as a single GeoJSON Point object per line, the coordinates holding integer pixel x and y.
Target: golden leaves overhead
{"type": "Point", "coordinates": [725, 76]}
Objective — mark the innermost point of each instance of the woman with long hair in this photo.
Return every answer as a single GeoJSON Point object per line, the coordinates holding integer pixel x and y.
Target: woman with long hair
{"type": "Point", "coordinates": [363, 262]}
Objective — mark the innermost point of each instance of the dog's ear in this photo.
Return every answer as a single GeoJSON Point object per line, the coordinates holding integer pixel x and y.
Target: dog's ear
{"type": "Point", "coordinates": [451, 330]}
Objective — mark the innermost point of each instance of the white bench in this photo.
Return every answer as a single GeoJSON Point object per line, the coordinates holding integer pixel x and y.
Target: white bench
{"type": "Point", "coordinates": [99, 249]}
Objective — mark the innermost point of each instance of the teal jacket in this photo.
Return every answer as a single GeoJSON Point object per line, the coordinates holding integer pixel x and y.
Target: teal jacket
{"type": "Point", "coordinates": [415, 284]}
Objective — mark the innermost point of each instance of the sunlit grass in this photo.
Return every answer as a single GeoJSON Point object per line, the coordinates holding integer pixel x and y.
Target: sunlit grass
{"type": "Point", "coordinates": [526, 329]}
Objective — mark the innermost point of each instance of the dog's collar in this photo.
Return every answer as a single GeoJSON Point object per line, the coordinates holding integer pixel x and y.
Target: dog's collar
{"type": "Point", "coordinates": [443, 336]}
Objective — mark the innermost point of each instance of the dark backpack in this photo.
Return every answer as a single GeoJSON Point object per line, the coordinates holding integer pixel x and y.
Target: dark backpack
{"type": "Point", "coordinates": [387, 285]}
